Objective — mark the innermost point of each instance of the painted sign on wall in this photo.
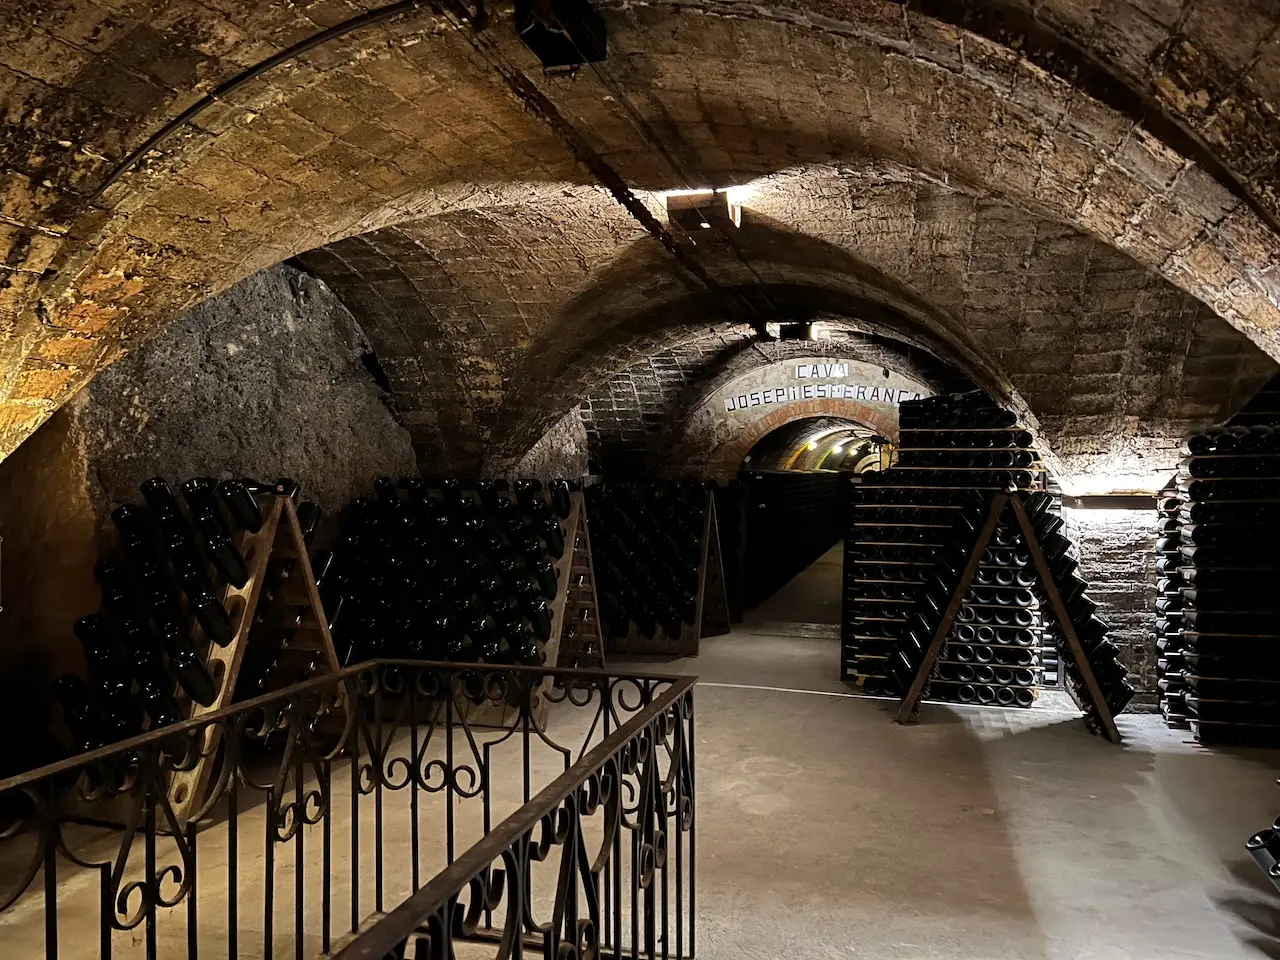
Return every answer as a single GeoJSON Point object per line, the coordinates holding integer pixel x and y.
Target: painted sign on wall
{"type": "Point", "coordinates": [821, 371]}
{"type": "Point", "coordinates": [821, 391]}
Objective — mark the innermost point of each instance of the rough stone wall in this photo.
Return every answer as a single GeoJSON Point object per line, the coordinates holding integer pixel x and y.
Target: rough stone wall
{"type": "Point", "coordinates": [270, 378]}
{"type": "Point", "coordinates": [1117, 558]}
{"type": "Point", "coordinates": [265, 380]}
{"type": "Point", "coordinates": [562, 451]}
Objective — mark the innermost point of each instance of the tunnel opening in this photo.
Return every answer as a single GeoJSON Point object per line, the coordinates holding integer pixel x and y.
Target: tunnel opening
{"type": "Point", "coordinates": [822, 443]}
{"type": "Point", "coordinates": [794, 480]}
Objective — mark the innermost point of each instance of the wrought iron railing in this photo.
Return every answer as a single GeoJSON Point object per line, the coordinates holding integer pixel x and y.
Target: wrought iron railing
{"type": "Point", "coordinates": [397, 809]}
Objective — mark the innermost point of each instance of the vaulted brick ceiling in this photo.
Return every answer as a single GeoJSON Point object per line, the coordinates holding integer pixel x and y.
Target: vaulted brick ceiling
{"type": "Point", "coordinates": [1150, 132]}
{"type": "Point", "coordinates": [493, 323]}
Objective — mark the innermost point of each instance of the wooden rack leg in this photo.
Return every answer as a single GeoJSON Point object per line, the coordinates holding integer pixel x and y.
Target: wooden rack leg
{"type": "Point", "coordinates": [187, 787]}
{"type": "Point", "coordinates": [1064, 623]}
{"type": "Point", "coordinates": [910, 702]}
{"type": "Point", "coordinates": [713, 599]}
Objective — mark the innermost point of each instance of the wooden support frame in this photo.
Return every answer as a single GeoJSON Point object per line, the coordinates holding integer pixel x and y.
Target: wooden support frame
{"type": "Point", "coordinates": [909, 706]}
{"type": "Point", "coordinates": [713, 596]}
{"type": "Point", "coordinates": [584, 648]}
{"type": "Point", "coordinates": [1050, 587]}
{"type": "Point", "coordinates": [910, 703]}
{"type": "Point", "coordinates": [279, 536]}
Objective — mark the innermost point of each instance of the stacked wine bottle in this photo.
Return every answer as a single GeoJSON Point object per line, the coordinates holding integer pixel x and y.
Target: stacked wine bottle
{"type": "Point", "coordinates": [992, 654]}
{"type": "Point", "coordinates": [1170, 663]}
{"type": "Point", "coordinates": [1081, 611]}
{"type": "Point", "coordinates": [955, 453]}
{"type": "Point", "coordinates": [792, 519]}
{"type": "Point", "coordinates": [439, 570]}
{"type": "Point", "coordinates": [1264, 847]}
{"type": "Point", "coordinates": [900, 617]}
{"type": "Point", "coordinates": [647, 544]}
{"type": "Point", "coordinates": [1229, 516]}
{"type": "Point", "coordinates": [162, 607]}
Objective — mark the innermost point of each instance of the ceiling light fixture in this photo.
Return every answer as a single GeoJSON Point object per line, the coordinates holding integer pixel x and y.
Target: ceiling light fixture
{"type": "Point", "coordinates": [701, 209]}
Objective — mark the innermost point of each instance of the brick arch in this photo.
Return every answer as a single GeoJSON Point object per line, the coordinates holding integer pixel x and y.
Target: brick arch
{"type": "Point", "coordinates": [724, 461]}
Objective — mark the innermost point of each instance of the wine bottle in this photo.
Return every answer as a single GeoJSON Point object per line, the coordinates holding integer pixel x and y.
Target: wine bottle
{"type": "Point", "coordinates": [241, 504]}
{"type": "Point", "coordinates": [83, 712]}
{"type": "Point", "coordinates": [201, 497]}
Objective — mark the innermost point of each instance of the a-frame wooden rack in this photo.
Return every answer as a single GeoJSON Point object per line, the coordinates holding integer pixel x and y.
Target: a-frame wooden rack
{"type": "Point", "coordinates": [279, 538]}
{"type": "Point", "coordinates": [575, 622]}
{"type": "Point", "coordinates": [576, 639]}
{"type": "Point", "coordinates": [910, 703]}
{"type": "Point", "coordinates": [713, 590]}
{"type": "Point", "coordinates": [711, 617]}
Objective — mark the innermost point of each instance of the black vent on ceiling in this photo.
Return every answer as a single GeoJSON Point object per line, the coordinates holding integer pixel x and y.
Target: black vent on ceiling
{"type": "Point", "coordinates": [795, 331]}
{"type": "Point", "coordinates": [562, 33]}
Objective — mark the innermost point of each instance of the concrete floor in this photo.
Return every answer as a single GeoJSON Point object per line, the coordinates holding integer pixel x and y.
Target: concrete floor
{"type": "Point", "coordinates": [826, 830]}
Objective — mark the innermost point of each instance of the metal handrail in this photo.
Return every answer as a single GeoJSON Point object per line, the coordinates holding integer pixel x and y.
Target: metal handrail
{"type": "Point", "coordinates": [245, 707]}
{"type": "Point", "coordinates": [425, 756]}
{"type": "Point", "coordinates": [408, 918]}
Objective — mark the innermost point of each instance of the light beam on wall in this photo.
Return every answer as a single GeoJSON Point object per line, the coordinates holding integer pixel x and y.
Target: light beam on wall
{"type": "Point", "coordinates": [1111, 484]}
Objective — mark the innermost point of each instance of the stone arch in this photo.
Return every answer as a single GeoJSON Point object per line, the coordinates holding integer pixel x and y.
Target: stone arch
{"type": "Point", "coordinates": [466, 312]}
{"type": "Point", "coordinates": [639, 303]}
{"type": "Point", "coordinates": [723, 461]}
{"type": "Point", "coordinates": [776, 396]}
{"type": "Point", "coordinates": [339, 138]}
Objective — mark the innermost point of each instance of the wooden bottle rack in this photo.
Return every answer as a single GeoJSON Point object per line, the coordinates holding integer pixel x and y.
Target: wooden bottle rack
{"type": "Point", "coordinates": [909, 706]}
{"type": "Point", "coordinates": [574, 603]}
{"type": "Point", "coordinates": [280, 536]}
{"type": "Point", "coordinates": [711, 618]}
{"type": "Point", "coordinates": [577, 606]}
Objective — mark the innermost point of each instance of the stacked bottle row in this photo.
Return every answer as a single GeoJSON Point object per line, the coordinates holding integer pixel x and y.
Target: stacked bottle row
{"type": "Point", "coordinates": [1050, 661]}
{"type": "Point", "coordinates": [162, 591]}
{"type": "Point", "coordinates": [904, 523]}
{"type": "Point", "coordinates": [442, 570]}
{"type": "Point", "coordinates": [894, 634]}
{"type": "Point", "coordinates": [646, 541]}
{"type": "Point", "coordinates": [1170, 663]}
{"type": "Point", "coordinates": [792, 519]}
{"type": "Point", "coordinates": [1090, 629]}
{"type": "Point", "coordinates": [999, 624]}
{"type": "Point", "coordinates": [1228, 624]}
